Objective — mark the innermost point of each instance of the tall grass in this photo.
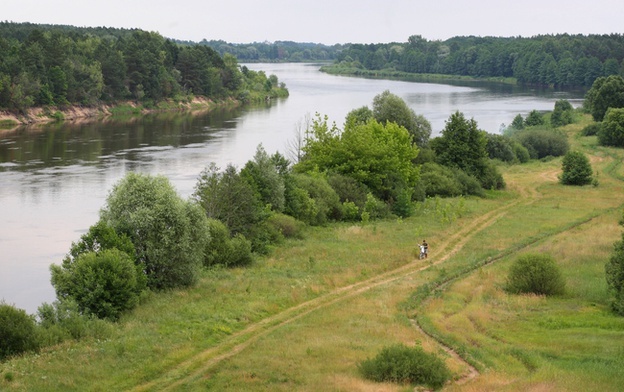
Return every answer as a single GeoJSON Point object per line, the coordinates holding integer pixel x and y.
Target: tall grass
{"type": "Point", "coordinates": [518, 342]}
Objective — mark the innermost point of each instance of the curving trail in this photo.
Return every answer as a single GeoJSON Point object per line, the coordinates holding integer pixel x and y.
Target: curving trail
{"type": "Point", "coordinates": [199, 364]}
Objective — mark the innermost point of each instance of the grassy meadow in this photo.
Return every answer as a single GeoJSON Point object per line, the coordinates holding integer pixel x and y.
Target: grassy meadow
{"type": "Point", "coordinates": [303, 317]}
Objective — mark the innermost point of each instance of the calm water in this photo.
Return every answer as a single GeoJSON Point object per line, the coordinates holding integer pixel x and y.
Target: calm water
{"type": "Point", "coordinates": [54, 179]}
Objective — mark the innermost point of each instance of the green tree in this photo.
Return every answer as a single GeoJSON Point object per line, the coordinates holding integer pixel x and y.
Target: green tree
{"type": "Point", "coordinates": [500, 147]}
{"type": "Point", "coordinates": [359, 116]}
{"type": "Point", "coordinates": [100, 237]}
{"type": "Point", "coordinates": [576, 169]}
{"type": "Point", "coordinates": [518, 122]}
{"type": "Point", "coordinates": [230, 198]}
{"type": "Point", "coordinates": [605, 92]}
{"type": "Point", "coordinates": [267, 183]}
{"type": "Point", "coordinates": [160, 225]}
{"type": "Point", "coordinates": [17, 331]}
{"type": "Point", "coordinates": [390, 107]}
{"type": "Point", "coordinates": [104, 284]}
{"type": "Point", "coordinates": [611, 133]}
{"type": "Point", "coordinates": [462, 145]}
{"type": "Point", "coordinates": [376, 155]}
{"type": "Point", "coordinates": [312, 200]}
{"type": "Point", "coordinates": [562, 114]}
{"type": "Point", "coordinates": [614, 270]}
{"type": "Point", "coordinates": [58, 84]}
{"type": "Point", "coordinates": [225, 250]}
{"type": "Point", "coordinates": [534, 118]}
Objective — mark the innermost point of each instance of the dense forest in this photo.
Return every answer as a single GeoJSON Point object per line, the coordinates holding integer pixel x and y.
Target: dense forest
{"type": "Point", "coordinates": [548, 60]}
{"type": "Point", "coordinates": [59, 65]}
{"type": "Point", "coordinates": [278, 51]}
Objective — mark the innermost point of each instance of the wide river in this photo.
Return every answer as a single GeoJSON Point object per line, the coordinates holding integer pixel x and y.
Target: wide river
{"type": "Point", "coordinates": [55, 178]}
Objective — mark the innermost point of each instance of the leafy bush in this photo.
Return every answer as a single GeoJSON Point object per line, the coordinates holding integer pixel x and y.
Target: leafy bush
{"type": "Point", "coordinates": [300, 205]}
{"type": "Point", "coordinates": [286, 225]}
{"type": "Point", "coordinates": [375, 208]}
{"type": "Point", "coordinates": [377, 155]}
{"type": "Point", "coordinates": [104, 284]}
{"type": "Point", "coordinates": [240, 252]}
{"type": "Point", "coordinates": [262, 175]}
{"type": "Point", "coordinates": [543, 142]}
{"type": "Point", "coordinates": [100, 237]}
{"type": "Point", "coordinates": [348, 189]}
{"type": "Point", "coordinates": [230, 198]}
{"type": "Point", "coordinates": [537, 274]}
{"type": "Point", "coordinates": [439, 180]}
{"type": "Point", "coordinates": [534, 118]}
{"type": "Point", "coordinates": [518, 122]}
{"type": "Point", "coordinates": [490, 177]}
{"type": "Point", "coordinates": [223, 250]}
{"type": "Point", "coordinates": [520, 152]}
{"type": "Point", "coordinates": [313, 200]}
{"type": "Point", "coordinates": [562, 114]}
{"type": "Point", "coordinates": [18, 332]}
{"type": "Point", "coordinates": [161, 226]}
{"type": "Point", "coordinates": [470, 185]}
{"type": "Point", "coordinates": [576, 169]}
{"type": "Point", "coordinates": [500, 147]}
{"type": "Point", "coordinates": [614, 270]}
{"type": "Point", "coordinates": [606, 92]}
{"type": "Point", "coordinates": [63, 320]}
{"type": "Point", "coordinates": [402, 364]}
{"type": "Point", "coordinates": [350, 211]}
{"type": "Point", "coordinates": [612, 130]}
{"type": "Point", "coordinates": [592, 129]}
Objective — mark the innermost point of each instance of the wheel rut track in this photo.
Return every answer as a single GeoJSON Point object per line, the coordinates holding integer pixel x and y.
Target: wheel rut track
{"type": "Point", "coordinates": [199, 364]}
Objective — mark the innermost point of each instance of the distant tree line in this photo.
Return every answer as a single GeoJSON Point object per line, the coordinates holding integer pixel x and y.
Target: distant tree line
{"type": "Point", "coordinates": [278, 51]}
{"type": "Point", "coordinates": [60, 65]}
{"type": "Point", "coordinates": [547, 60]}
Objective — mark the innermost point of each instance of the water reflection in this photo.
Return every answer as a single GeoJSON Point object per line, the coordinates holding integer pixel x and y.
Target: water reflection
{"type": "Point", "coordinates": [64, 144]}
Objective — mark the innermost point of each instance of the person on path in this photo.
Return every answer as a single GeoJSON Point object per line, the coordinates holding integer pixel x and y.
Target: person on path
{"type": "Point", "coordinates": [425, 246]}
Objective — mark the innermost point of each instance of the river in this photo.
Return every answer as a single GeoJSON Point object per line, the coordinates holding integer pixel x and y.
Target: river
{"type": "Point", "coordinates": [55, 178]}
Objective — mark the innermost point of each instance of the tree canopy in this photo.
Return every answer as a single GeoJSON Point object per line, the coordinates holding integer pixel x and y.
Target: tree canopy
{"type": "Point", "coordinates": [611, 132]}
{"type": "Point", "coordinates": [605, 93]}
{"type": "Point", "coordinates": [576, 169]}
{"type": "Point", "coordinates": [168, 233]}
{"type": "Point", "coordinates": [376, 155]}
{"type": "Point", "coordinates": [561, 60]}
{"type": "Point", "coordinates": [390, 107]}
{"type": "Point", "coordinates": [58, 65]}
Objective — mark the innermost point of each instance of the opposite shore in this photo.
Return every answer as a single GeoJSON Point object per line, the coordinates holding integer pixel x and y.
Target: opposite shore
{"type": "Point", "coordinates": [76, 113]}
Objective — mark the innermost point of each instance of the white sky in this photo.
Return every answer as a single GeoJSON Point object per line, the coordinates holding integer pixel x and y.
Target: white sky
{"type": "Point", "coordinates": [328, 21]}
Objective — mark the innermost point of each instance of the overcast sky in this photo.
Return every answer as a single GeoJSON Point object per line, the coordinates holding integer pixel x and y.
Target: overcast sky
{"type": "Point", "coordinates": [328, 21]}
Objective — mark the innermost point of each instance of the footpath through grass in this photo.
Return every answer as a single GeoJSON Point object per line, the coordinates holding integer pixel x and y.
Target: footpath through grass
{"type": "Point", "coordinates": [303, 318]}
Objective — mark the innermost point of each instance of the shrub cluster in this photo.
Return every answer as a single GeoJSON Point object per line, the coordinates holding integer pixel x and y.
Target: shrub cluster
{"type": "Point", "coordinates": [614, 270]}
{"type": "Point", "coordinates": [542, 143]}
{"type": "Point", "coordinates": [591, 129]}
{"type": "Point", "coordinates": [17, 331]}
{"type": "Point", "coordinates": [536, 274]}
{"type": "Point", "coordinates": [402, 364]}
{"type": "Point", "coordinates": [611, 132]}
{"type": "Point", "coordinates": [576, 169]}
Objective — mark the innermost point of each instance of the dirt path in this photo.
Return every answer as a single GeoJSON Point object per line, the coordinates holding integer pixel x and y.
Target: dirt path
{"type": "Point", "coordinates": [199, 364]}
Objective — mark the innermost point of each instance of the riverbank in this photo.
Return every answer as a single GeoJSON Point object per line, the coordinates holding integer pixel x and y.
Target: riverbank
{"type": "Point", "coordinates": [76, 113]}
{"type": "Point", "coordinates": [306, 316]}
{"type": "Point", "coordinates": [409, 77]}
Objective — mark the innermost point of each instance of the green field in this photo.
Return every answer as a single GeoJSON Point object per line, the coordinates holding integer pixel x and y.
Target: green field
{"type": "Point", "coordinates": [303, 317]}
